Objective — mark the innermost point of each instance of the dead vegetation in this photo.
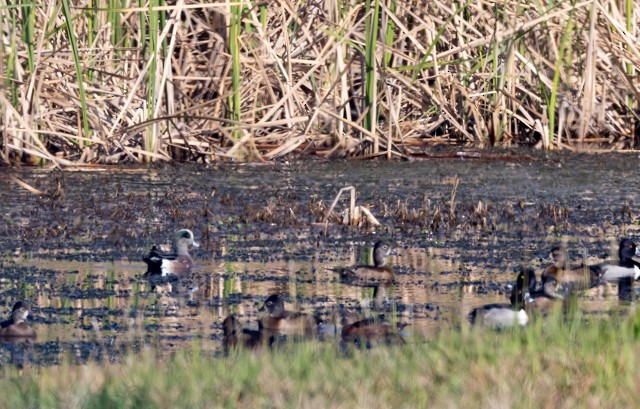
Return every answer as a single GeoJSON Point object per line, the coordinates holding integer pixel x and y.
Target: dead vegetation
{"type": "Point", "coordinates": [197, 81]}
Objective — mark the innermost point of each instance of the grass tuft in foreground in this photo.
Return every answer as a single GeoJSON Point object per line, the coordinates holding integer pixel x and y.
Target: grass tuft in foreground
{"type": "Point", "coordinates": [557, 363]}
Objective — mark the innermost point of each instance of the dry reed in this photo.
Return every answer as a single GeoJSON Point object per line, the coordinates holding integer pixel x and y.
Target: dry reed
{"type": "Point", "coordinates": [185, 80]}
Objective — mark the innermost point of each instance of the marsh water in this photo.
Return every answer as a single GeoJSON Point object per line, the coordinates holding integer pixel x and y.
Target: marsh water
{"type": "Point", "coordinates": [460, 228]}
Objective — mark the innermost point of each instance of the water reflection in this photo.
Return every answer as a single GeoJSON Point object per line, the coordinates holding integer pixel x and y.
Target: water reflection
{"type": "Point", "coordinates": [80, 264]}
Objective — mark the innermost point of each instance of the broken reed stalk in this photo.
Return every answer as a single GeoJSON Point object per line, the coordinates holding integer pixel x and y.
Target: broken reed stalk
{"type": "Point", "coordinates": [352, 204]}
{"type": "Point", "coordinates": [338, 80]}
{"type": "Point", "coordinates": [452, 200]}
{"type": "Point", "coordinates": [353, 217]}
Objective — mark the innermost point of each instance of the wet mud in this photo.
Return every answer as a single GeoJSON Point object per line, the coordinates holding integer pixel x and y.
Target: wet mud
{"type": "Point", "coordinates": [460, 227]}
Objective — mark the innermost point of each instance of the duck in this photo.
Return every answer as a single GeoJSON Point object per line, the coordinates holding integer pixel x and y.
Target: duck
{"type": "Point", "coordinates": [625, 268]}
{"type": "Point", "coordinates": [16, 325]}
{"type": "Point", "coordinates": [179, 261]}
{"type": "Point", "coordinates": [371, 331]}
{"type": "Point", "coordinates": [234, 336]}
{"type": "Point", "coordinates": [278, 320]}
{"type": "Point", "coordinates": [569, 278]}
{"type": "Point", "coordinates": [502, 315]}
{"type": "Point", "coordinates": [365, 275]}
{"type": "Point", "coordinates": [544, 299]}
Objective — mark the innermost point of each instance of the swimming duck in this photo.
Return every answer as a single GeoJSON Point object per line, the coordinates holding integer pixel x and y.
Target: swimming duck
{"type": "Point", "coordinates": [545, 299]}
{"type": "Point", "coordinates": [625, 268]}
{"type": "Point", "coordinates": [569, 278]}
{"type": "Point", "coordinates": [503, 315]}
{"type": "Point", "coordinates": [369, 330]}
{"type": "Point", "coordinates": [16, 326]}
{"type": "Point", "coordinates": [237, 337]}
{"type": "Point", "coordinates": [278, 320]}
{"type": "Point", "coordinates": [179, 261]}
{"type": "Point", "coordinates": [380, 272]}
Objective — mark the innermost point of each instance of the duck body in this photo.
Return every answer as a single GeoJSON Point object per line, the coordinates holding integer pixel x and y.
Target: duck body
{"type": "Point", "coordinates": [16, 326]}
{"type": "Point", "coordinates": [503, 315]}
{"type": "Point", "coordinates": [366, 275]}
{"type": "Point", "coordinates": [178, 261]}
{"type": "Point", "coordinates": [235, 337]}
{"type": "Point", "coordinates": [499, 316]}
{"type": "Point", "coordinates": [278, 320]}
{"type": "Point", "coordinates": [551, 295]}
{"type": "Point", "coordinates": [369, 331]}
{"type": "Point", "coordinates": [569, 278]}
{"type": "Point", "coordinates": [626, 268]}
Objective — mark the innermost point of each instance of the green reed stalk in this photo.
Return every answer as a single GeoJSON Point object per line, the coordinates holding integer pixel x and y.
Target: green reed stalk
{"type": "Point", "coordinates": [142, 21]}
{"type": "Point", "coordinates": [91, 20]}
{"type": "Point", "coordinates": [234, 47]}
{"type": "Point", "coordinates": [263, 15]}
{"type": "Point", "coordinates": [156, 19]}
{"type": "Point", "coordinates": [565, 44]}
{"type": "Point", "coordinates": [8, 70]}
{"type": "Point", "coordinates": [423, 61]}
{"type": "Point", "coordinates": [630, 28]}
{"type": "Point", "coordinates": [92, 26]}
{"type": "Point", "coordinates": [28, 19]}
{"type": "Point", "coordinates": [370, 97]}
{"type": "Point", "coordinates": [151, 78]}
{"type": "Point", "coordinates": [66, 10]}
{"type": "Point", "coordinates": [390, 34]}
{"type": "Point", "coordinates": [495, 77]}
{"type": "Point", "coordinates": [113, 16]}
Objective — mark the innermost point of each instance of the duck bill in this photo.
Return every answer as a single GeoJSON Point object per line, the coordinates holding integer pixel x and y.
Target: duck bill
{"type": "Point", "coordinates": [195, 244]}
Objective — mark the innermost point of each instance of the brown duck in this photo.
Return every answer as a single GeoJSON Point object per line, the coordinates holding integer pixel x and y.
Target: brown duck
{"type": "Point", "coordinates": [16, 326]}
{"type": "Point", "coordinates": [278, 320]}
{"type": "Point", "coordinates": [366, 275]}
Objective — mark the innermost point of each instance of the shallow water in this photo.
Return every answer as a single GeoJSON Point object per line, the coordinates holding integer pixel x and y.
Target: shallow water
{"type": "Point", "coordinates": [77, 257]}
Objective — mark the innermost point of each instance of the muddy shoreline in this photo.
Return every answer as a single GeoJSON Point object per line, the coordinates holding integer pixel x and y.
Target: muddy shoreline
{"type": "Point", "coordinates": [460, 226]}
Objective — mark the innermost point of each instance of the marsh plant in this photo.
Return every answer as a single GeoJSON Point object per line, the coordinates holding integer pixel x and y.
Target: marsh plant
{"type": "Point", "coordinates": [560, 362]}
{"type": "Point", "coordinates": [105, 81]}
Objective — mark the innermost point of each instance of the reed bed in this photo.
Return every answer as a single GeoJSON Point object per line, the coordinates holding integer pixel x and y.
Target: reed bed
{"type": "Point", "coordinates": [109, 82]}
{"type": "Point", "coordinates": [562, 363]}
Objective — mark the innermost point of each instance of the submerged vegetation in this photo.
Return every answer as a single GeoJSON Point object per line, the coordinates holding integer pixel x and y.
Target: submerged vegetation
{"type": "Point", "coordinates": [96, 82]}
{"type": "Point", "coordinates": [563, 362]}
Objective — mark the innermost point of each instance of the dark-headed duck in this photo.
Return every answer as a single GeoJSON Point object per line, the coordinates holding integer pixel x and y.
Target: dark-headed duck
{"type": "Point", "coordinates": [625, 268]}
{"type": "Point", "coordinates": [506, 315]}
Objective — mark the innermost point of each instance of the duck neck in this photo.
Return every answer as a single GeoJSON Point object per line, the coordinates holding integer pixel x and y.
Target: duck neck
{"type": "Point", "coordinates": [182, 248]}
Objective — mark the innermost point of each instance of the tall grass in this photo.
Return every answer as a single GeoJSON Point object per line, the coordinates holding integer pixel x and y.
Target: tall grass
{"type": "Point", "coordinates": [235, 101]}
{"type": "Point", "coordinates": [557, 363]}
{"type": "Point", "coordinates": [76, 62]}
{"type": "Point", "coordinates": [208, 81]}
